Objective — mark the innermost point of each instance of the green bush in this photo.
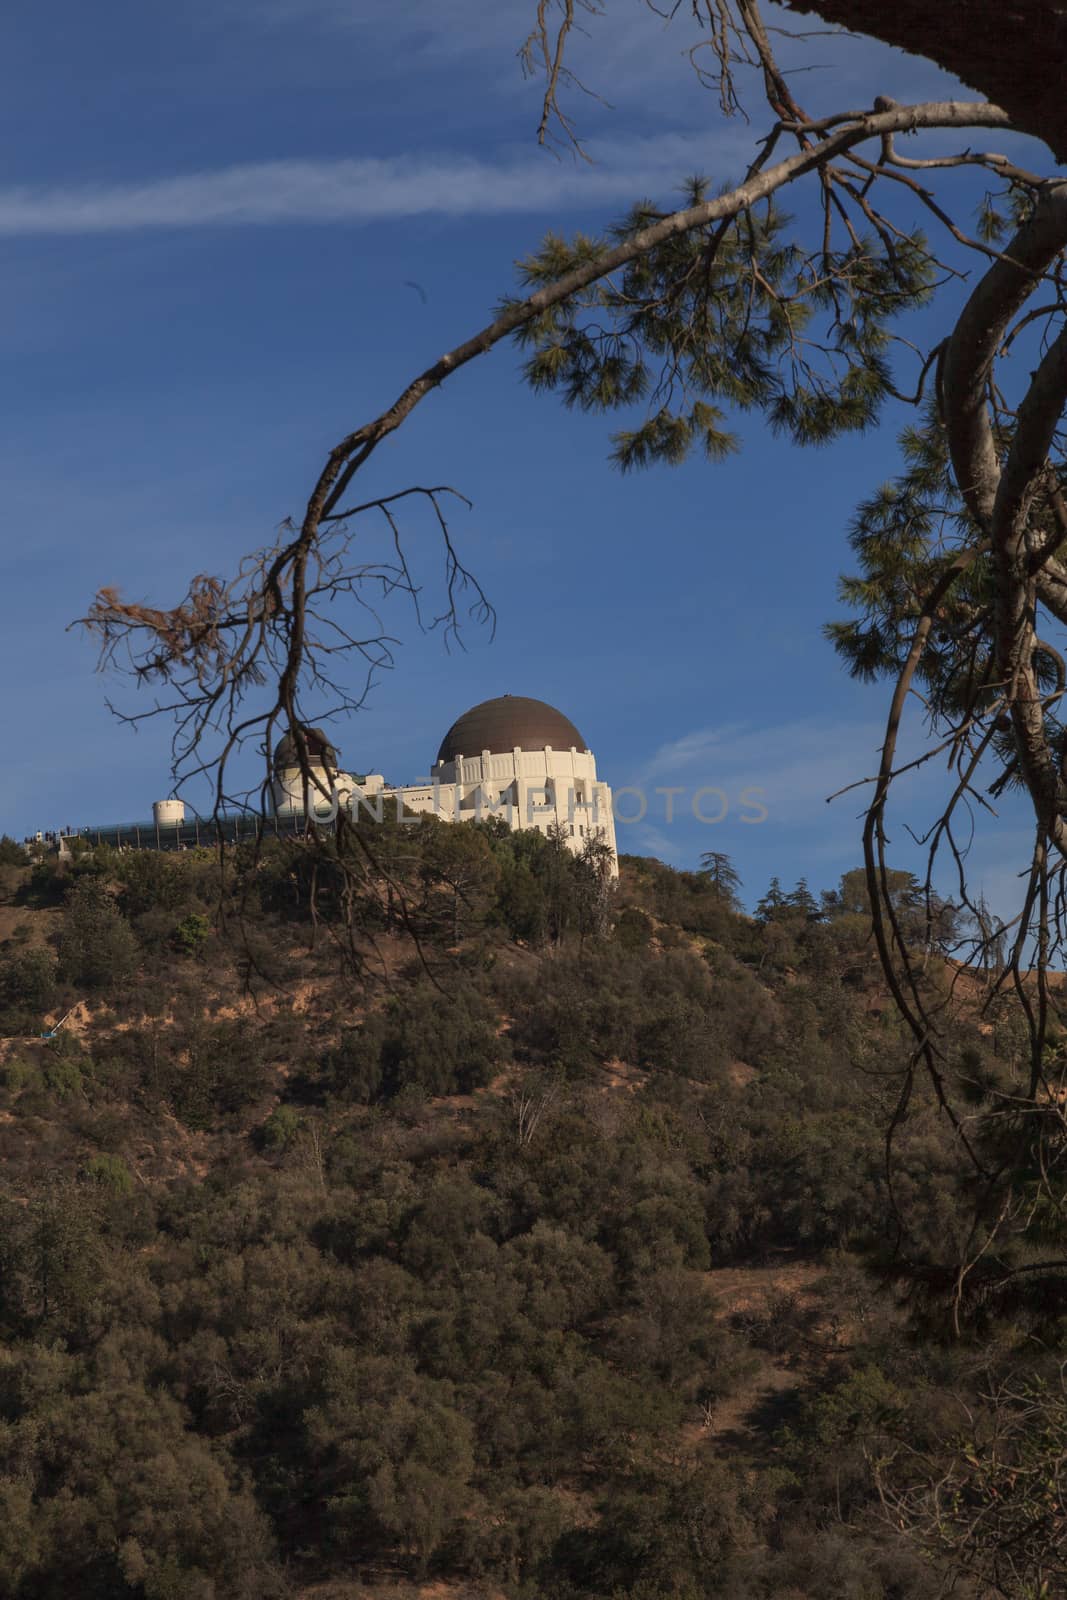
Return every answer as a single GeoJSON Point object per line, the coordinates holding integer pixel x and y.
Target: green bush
{"type": "Point", "coordinates": [110, 1172]}
{"type": "Point", "coordinates": [63, 1076]}
{"type": "Point", "coordinates": [97, 947]}
{"type": "Point", "coordinates": [28, 979]}
{"type": "Point", "coordinates": [19, 1075]}
{"type": "Point", "coordinates": [211, 1070]}
{"type": "Point", "coordinates": [633, 929]}
{"type": "Point", "coordinates": [192, 933]}
{"type": "Point", "coordinates": [281, 1128]}
{"type": "Point", "coordinates": [12, 854]}
{"type": "Point", "coordinates": [442, 1043]}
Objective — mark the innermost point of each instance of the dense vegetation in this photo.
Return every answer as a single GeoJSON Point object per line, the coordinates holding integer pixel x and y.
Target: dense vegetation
{"type": "Point", "coordinates": [414, 1208]}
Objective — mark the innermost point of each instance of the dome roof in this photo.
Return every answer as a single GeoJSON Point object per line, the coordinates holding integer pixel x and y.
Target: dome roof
{"type": "Point", "coordinates": [319, 749]}
{"type": "Point", "coordinates": [510, 722]}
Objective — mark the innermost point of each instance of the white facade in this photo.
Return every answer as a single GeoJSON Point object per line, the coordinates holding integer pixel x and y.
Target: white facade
{"type": "Point", "coordinates": [525, 788]}
{"type": "Point", "coordinates": [321, 793]}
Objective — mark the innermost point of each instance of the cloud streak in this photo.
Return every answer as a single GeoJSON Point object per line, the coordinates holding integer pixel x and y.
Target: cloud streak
{"type": "Point", "coordinates": [370, 189]}
{"type": "Point", "coordinates": [796, 766]}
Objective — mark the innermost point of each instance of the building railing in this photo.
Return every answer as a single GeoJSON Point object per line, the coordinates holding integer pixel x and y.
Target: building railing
{"type": "Point", "coordinates": [231, 828]}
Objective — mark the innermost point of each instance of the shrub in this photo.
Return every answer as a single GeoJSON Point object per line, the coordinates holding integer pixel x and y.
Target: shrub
{"type": "Point", "coordinates": [62, 1076]}
{"type": "Point", "coordinates": [280, 1128]}
{"type": "Point", "coordinates": [11, 880]}
{"type": "Point", "coordinates": [443, 1043]}
{"type": "Point", "coordinates": [633, 929]}
{"type": "Point", "coordinates": [28, 979]}
{"type": "Point", "coordinates": [20, 1075]}
{"type": "Point", "coordinates": [110, 1172]}
{"type": "Point", "coordinates": [223, 1071]}
{"type": "Point", "coordinates": [97, 947]}
{"type": "Point", "coordinates": [151, 881]}
{"type": "Point", "coordinates": [192, 933]}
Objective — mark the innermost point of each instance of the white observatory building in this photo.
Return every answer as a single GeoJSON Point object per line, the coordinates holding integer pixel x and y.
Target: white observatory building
{"type": "Point", "coordinates": [512, 757]}
{"type": "Point", "coordinates": [323, 789]}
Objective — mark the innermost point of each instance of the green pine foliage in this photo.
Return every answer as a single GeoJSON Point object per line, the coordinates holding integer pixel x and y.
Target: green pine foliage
{"type": "Point", "coordinates": [731, 318]}
{"type": "Point", "coordinates": [905, 537]}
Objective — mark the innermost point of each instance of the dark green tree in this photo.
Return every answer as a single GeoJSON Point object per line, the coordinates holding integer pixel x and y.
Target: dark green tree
{"type": "Point", "coordinates": [773, 903]}
{"type": "Point", "coordinates": [97, 946]}
{"type": "Point", "coordinates": [28, 978]}
{"type": "Point", "coordinates": [458, 868]}
{"type": "Point", "coordinates": [801, 899]}
{"type": "Point", "coordinates": [722, 875]}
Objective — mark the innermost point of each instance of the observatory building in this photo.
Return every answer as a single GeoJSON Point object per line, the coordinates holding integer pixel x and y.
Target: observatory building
{"type": "Point", "coordinates": [513, 758]}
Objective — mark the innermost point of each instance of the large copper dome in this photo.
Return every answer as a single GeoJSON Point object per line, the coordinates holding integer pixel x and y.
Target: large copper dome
{"type": "Point", "coordinates": [510, 722]}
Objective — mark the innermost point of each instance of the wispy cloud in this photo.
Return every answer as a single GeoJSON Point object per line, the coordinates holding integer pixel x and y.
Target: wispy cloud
{"type": "Point", "coordinates": [758, 793]}
{"type": "Point", "coordinates": [359, 190]}
{"type": "Point", "coordinates": [795, 766]}
{"type": "Point", "coordinates": [614, 53]}
{"type": "Point", "coordinates": [464, 28]}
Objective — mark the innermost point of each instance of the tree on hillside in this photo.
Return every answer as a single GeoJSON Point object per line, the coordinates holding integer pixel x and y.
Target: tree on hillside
{"type": "Point", "coordinates": [12, 854]}
{"type": "Point", "coordinates": [851, 897]}
{"type": "Point", "coordinates": [926, 920]}
{"type": "Point", "coordinates": [722, 875]}
{"type": "Point", "coordinates": [97, 946]}
{"type": "Point", "coordinates": [458, 861]}
{"type": "Point", "coordinates": [773, 903]}
{"type": "Point", "coordinates": [804, 901]}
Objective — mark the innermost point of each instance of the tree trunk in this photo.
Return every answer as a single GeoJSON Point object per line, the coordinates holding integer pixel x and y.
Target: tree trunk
{"type": "Point", "coordinates": [1014, 52]}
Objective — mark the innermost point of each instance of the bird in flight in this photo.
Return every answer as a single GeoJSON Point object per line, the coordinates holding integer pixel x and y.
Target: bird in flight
{"type": "Point", "coordinates": [419, 290]}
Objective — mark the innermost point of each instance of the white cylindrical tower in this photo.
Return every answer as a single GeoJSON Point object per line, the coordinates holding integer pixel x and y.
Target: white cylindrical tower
{"type": "Point", "coordinates": [296, 794]}
{"type": "Point", "coordinates": [166, 813]}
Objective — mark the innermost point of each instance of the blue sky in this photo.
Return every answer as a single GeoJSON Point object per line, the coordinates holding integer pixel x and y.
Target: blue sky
{"type": "Point", "coordinates": [210, 216]}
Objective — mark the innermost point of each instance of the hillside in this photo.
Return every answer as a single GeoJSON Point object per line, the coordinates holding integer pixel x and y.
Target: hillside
{"type": "Point", "coordinates": [413, 1215]}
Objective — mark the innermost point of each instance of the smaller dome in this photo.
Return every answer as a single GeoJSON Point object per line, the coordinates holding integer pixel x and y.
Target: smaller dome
{"type": "Point", "coordinates": [510, 722]}
{"type": "Point", "coordinates": [320, 751]}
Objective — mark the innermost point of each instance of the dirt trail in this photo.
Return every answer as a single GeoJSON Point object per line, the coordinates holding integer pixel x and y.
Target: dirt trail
{"type": "Point", "coordinates": [760, 1404]}
{"type": "Point", "coordinates": [344, 1589]}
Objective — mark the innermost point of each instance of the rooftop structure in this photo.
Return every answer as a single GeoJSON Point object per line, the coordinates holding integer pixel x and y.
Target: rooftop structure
{"type": "Point", "coordinates": [510, 722]}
